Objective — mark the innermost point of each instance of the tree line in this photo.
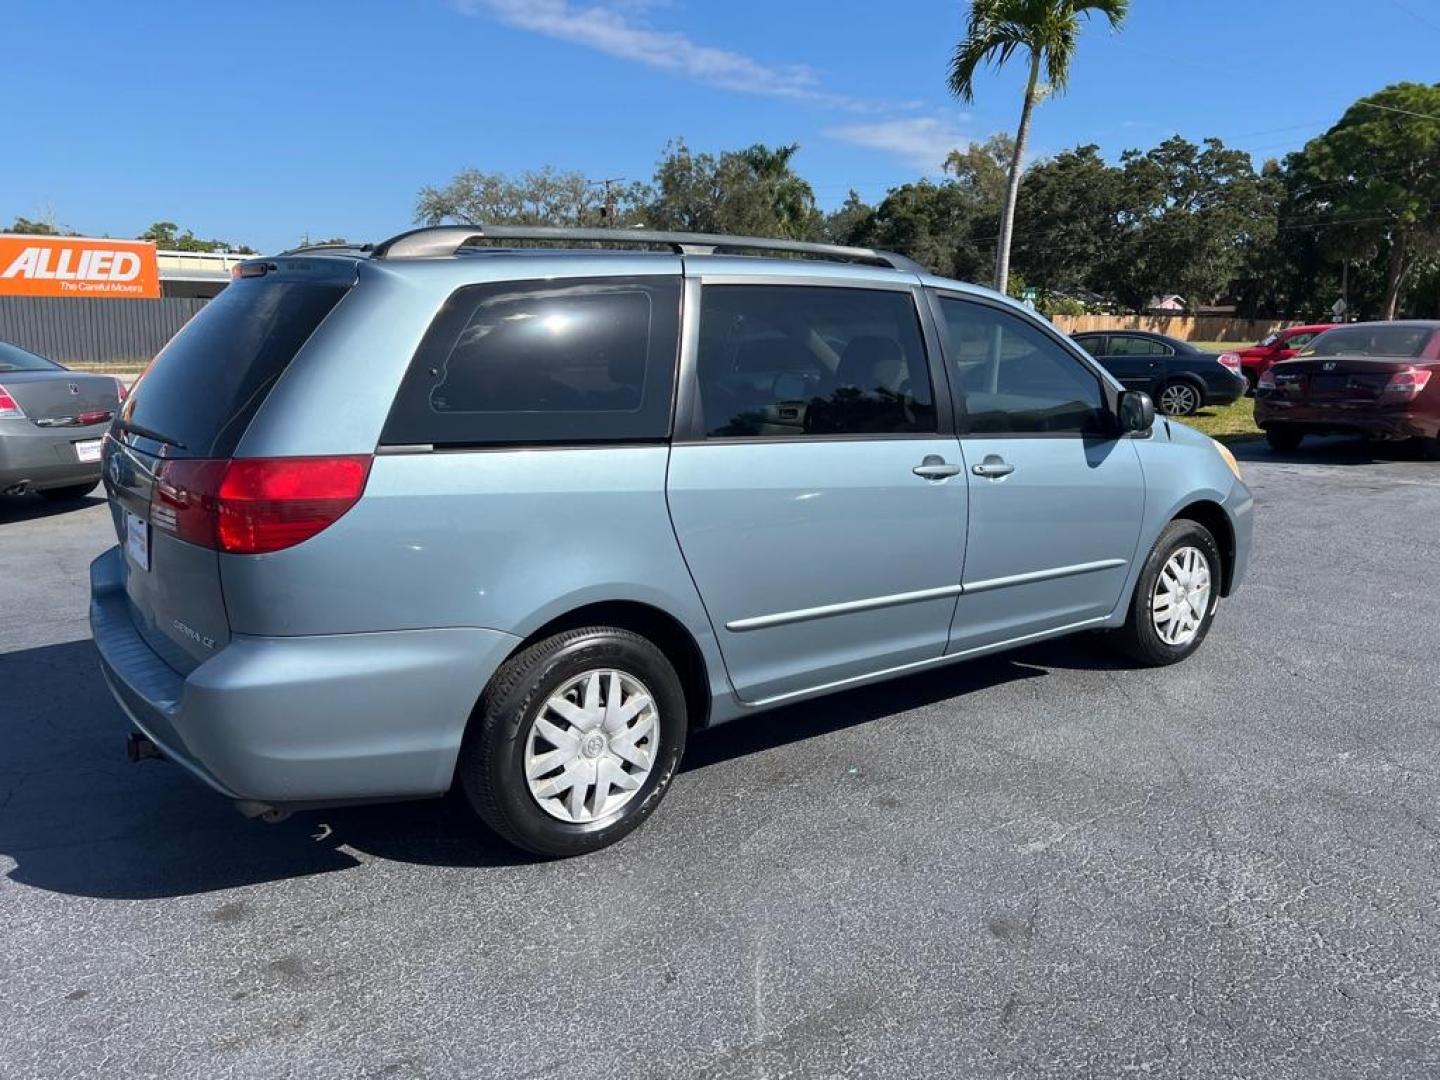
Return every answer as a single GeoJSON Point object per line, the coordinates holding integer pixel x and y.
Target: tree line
{"type": "Point", "coordinates": [1353, 212]}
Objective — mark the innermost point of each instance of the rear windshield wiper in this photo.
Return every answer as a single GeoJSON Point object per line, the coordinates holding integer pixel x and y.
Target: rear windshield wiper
{"type": "Point", "coordinates": [131, 428]}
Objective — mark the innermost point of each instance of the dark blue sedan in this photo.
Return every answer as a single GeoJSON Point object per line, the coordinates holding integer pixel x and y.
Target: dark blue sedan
{"type": "Point", "coordinates": [1181, 378]}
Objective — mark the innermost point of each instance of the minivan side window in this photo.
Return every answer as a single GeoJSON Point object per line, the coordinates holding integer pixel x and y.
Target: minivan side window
{"type": "Point", "coordinates": [1015, 379]}
{"type": "Point", "coordinates": [542, 362]}
{"type": "Point", "coordinates": [799, 360]}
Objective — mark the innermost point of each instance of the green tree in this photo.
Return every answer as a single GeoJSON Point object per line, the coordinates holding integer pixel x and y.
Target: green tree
{"type": "Point", "coordinates": [1189, 219]}
{"type": "Point", "coordinates": [166, 236]}
{"type": "Point", "coordinates": [1046, 30]}
{"type": "Point", "coordinates": [753, 192]}
{"type": "Point", "coordinates": [1372, 185]}
{"type": "Point", "coordinates": [33, 227]}
{"type": "Point", "coordinates": [1074, 202]}
{"type": "Point", "coordinates": [547, 196]}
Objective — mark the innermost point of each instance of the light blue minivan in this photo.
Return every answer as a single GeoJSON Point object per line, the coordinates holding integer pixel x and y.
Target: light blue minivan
{"type": "Point", "coordinates": [438, 512]}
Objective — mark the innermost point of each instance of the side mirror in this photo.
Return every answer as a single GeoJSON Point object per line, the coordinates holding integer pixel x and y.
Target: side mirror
{"type": "Point", "coordinates": [1137, 411]}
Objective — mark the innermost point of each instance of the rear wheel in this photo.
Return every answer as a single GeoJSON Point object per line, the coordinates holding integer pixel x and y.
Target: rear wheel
{"type": "Point", "coordinates": [1175, 598]}
{"type": "Point", "coordinates": [1284, 439]}
{"type": "Point", "coordinates": [1179, 399]}
{"type": "Point", "coordinates": [575, 741]}
{"type": "Point", "coordinates": [67, 493]}
{"type": "Point", "coordinates": [1430, 448]}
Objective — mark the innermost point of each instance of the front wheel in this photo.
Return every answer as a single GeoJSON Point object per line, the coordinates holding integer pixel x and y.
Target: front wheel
{"type": "Point", "coordinates": [1175, 598]}
{"type": "Point", "coordinates": [1179, 399]}
{"type": "Point", "coordinates": [575, 741]}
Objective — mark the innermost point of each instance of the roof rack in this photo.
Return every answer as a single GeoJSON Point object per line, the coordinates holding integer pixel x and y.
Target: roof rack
{"type": "Point", "coordinates": [441, 240]}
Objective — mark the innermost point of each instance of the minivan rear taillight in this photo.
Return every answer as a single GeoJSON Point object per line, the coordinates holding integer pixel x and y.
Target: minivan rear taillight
{"type": "Point", "coordinates": [249, 506]}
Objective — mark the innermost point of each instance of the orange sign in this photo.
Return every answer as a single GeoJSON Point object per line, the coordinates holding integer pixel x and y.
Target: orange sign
{"type": "Point", "coordinates": [78, 266]}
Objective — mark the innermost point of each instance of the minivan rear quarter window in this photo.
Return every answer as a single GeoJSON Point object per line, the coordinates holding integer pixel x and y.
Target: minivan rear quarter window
{"type": "Point", "coordinates": [544, 363]}
{"type": "Point", "coordinates": [206, 385]}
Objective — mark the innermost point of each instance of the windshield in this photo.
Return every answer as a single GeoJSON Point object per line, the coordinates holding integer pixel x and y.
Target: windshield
{"type": "Point", "coordinates": [14, 358]}
{"type": "Point", "coordinates": [1371, 340]}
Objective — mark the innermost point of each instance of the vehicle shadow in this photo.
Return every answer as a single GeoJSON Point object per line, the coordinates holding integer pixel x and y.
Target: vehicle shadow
{"type": "Point", "coordinates": [77, 818]}
{"type": "Point", "coordinates": [1329, 450]}
{"type": "Point", "coordinates": [33, 507]}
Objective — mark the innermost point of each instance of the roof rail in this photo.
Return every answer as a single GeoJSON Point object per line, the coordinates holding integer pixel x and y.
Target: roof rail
{"type": "Point", "coordinates": [440, 240]}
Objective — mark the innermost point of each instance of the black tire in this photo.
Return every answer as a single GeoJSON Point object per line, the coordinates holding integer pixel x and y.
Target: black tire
{"type": "Point", "coordinates": [1138, 639]}
{"type": "Point", "coordinates": [1193, 402]}
{"type": "Point", "coordinates": [1429, 449]}
{"type": "Point", "coordinates": [67, 493]}
{"type": "Point", "coordinates": [1284, 439]}
{"type": "Point", "coordinates": [491, 770]}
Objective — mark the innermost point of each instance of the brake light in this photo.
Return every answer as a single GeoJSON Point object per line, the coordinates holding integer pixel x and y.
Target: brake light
{"type": "Point", "coordinates": [9, 407]}
{"type": "Point", "coordinates": [1266, 380]}
{"type": "Point", "coordinates": [250, 506]}
{"type": "Point", "coordinates": [1409, 382]}
{"type": "Point", "coordinates": [1230, 360]}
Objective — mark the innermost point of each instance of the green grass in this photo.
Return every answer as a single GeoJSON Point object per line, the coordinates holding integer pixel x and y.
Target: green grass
{"type": "Point", "coordinates": [1227, 423]}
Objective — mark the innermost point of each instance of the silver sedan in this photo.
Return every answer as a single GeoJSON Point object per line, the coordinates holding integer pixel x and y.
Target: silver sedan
{"type": "Point", "coordinates": [52, 425]}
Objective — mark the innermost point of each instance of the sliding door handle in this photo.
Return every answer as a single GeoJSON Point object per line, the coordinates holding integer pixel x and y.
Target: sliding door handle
{"type": "Point", "coordinates": [993, 467]}
{"type": "Point", "coordinates": [935, 467]}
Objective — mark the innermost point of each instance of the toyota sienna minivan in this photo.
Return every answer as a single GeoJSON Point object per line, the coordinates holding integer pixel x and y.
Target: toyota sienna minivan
{"type": "Point", "coordinates": [520, 520]}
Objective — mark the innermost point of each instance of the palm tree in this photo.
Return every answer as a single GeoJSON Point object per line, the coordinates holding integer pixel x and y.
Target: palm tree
{"type": "Point", "coordinates": [1047, 30]}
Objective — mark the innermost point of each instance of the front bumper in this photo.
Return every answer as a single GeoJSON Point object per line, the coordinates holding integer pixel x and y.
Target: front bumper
{"type": "Point", "coordinates": [45, 457]}
{"type": "Point", "coordinates": [301, 720]}
{"type": "Point", "coordinates": [1239, 507]}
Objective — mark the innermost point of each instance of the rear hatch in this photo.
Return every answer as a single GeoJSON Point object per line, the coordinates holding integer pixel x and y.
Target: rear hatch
{"type": "Point", "coordinates": [62, 398]}
{"type": "Point", "coordinates": [187, 414]}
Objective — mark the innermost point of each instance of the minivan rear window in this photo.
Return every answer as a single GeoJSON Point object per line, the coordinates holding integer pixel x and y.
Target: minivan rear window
{"type": "Point", "coordinates": [205, 386]}
{"type": "Point", "coordinates": [544, 362]}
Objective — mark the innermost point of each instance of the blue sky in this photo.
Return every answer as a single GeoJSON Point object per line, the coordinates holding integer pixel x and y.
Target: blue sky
{"type": "Point", "coordinates": [259, 121]}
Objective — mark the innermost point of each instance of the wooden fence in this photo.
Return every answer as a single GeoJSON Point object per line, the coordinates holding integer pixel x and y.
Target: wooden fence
{"type": "Point", "coordinates": [1184, 327]}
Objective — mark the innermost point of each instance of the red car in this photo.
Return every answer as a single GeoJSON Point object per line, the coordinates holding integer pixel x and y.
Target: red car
{"type": "Point", "coordinates": [1378, 379]}
{"type": "Point", "coordinates": [1281, 345]}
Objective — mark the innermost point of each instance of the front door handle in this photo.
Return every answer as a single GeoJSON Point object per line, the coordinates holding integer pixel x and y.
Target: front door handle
{"type": "Point", "coordinates": [994, 467]}
{"type": "Point", "coordinates": [935, 467]}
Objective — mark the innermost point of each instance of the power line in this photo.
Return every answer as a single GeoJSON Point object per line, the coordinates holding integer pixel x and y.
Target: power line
{"type": "Point", "coordinates": [1392, 108]}
{"type": "Point", "coordinates": [1416, 15]}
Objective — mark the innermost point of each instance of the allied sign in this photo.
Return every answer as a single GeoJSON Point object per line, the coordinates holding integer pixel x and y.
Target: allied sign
{"type": "Point", "coordinates": [78, 266]}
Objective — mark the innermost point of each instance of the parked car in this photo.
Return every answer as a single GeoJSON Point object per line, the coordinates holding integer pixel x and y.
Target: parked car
{"type": "Point", "coordinates": [522, 521]}
{"type": "Point", "coordinates": [52, 423]}
{"type": "Point", "coordinates": [1181, 378]}
{"type": "Point", "coordinates": [1281, 345]}
{"type": "Point", "coordinates": [1374, 379]}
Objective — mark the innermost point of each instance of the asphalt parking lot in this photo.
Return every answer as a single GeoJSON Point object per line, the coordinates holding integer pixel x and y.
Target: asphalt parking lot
{"type": "Point", "coordinates": [1044, 864]}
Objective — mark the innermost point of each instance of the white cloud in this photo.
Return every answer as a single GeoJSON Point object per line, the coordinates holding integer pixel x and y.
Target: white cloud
{"type": "Point", "coordinates": [617, 28]}
{"type": "Point", "coordinates": [923, 141]}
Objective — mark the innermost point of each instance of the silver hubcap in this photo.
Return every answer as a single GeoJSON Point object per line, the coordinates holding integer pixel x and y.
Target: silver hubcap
{"type": "Point", "coordinates": [1182, 596]}
{"type": "Point", "coordinates": [592, 745]}
{"type": "Point", "coordinates": [1178, 400]}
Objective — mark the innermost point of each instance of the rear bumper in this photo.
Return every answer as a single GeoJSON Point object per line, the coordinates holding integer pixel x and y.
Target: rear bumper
{"type": "Point", "coordinates": [45, 457]}
{"type": "Point", "coordinates": [301, 720]}
{"type": "Point", "coordinates": [1396, 422]}
{"type": "Point", "coordinates": [1226, 390]}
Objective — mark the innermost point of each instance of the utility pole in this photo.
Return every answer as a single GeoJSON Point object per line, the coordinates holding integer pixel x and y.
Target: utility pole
{"type": "Point", "coordinates": [607, 213]}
